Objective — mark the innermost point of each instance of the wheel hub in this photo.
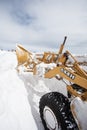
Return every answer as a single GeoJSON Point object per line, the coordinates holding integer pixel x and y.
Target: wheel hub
{"type": "Point", "coordinates": [50, 119]}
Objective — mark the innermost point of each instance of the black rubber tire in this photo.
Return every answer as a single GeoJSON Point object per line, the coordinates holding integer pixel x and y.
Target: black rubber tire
{"type": "Point", "coordinates": [60, 106]}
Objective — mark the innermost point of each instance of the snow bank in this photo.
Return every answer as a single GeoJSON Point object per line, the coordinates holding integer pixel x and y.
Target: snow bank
{"type": "Point", "coordinates": [15, 111]}
{"type": "Point", "coordinates": [20, 95]}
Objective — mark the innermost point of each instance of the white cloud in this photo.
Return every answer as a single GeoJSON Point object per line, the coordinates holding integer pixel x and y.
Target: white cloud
{"type": "Point", "coordinates": [48, 22]}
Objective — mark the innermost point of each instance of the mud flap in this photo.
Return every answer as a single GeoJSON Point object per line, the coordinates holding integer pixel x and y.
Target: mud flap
{"type": "Point", "coordinates": [79, 111]}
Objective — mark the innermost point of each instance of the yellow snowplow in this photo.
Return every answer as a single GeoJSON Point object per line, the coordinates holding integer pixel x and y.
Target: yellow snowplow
{"type": "Point", "coordinates": [29, 60]}
{"type": "Point", "coordinates": [57, 111]}
{"type": "Point", "coordinates": [24, 58]}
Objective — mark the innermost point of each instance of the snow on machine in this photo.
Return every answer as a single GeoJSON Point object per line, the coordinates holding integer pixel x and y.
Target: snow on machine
{"type": "Point", "coordinates": [57, 111]}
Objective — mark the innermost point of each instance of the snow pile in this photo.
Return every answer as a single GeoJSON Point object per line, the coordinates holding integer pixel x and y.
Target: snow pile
{"type": "Point", "coordinates": [20, 95]}
{"type": "Point", "coordinates": [15, 112]}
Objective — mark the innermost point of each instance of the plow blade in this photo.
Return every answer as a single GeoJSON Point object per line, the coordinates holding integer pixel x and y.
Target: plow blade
{"type": "Point", "coordinates": [23, 56]}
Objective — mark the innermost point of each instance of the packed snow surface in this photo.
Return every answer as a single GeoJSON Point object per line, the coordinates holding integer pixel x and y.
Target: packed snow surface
{"type": "Point", "coordinates": [20, 94]}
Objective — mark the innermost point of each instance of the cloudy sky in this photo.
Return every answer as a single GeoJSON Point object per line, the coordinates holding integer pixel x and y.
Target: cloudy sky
{"type": "Point", "coordinates": [42, 24]}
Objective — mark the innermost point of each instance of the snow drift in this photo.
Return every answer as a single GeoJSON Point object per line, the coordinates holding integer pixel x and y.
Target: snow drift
{"type": "Point", "coordinates": [20, 95]}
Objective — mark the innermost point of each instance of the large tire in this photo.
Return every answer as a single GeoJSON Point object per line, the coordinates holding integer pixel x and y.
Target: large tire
{"type": "Point", "coordinates": [57, 106]}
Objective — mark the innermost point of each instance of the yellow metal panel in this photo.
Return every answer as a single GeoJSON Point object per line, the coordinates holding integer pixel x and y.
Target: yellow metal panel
{"type": "Point", "coordinates": [67, 74]}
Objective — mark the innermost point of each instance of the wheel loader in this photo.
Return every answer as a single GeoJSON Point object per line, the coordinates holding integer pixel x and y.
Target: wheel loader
{"type": "Point", "coordinates": [57, 111]}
